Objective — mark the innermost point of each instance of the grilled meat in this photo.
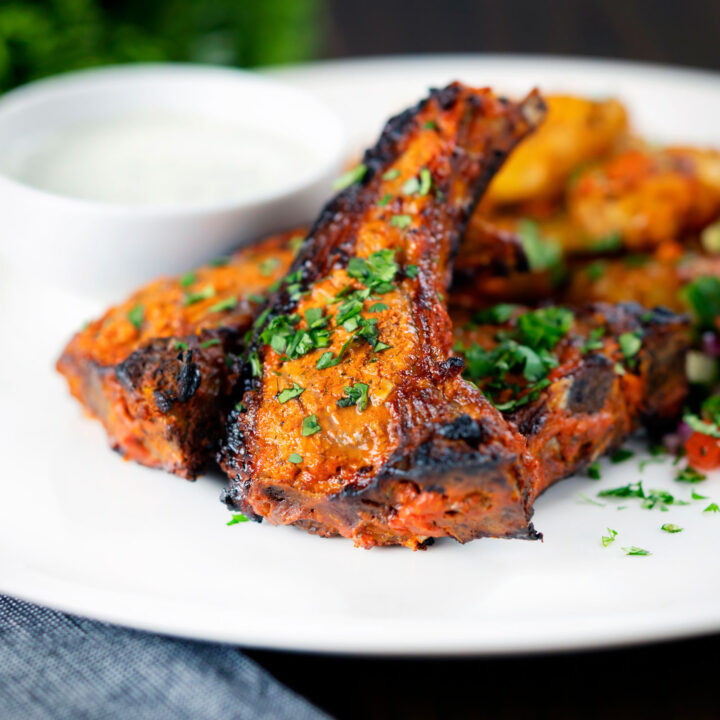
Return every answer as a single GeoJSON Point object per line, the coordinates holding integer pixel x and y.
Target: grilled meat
{"type": "Point", "coordinates": [577, 383]}
{"type": "Point", "coordinates": [158, 370]}
{"type": "Point", "coordinates": [355, 420]}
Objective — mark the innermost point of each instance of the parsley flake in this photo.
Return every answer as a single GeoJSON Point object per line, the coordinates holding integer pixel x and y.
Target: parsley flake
{"type": "Point", "coordinates": [621, 455]}
{"type": "Point", "coordinates": [670, 528]}
{"type": "Point", "coordinates": [226, 304]}
{"type": "Point", "coordinates": [610, 537]}
{"type": "Point", "coordinates": [633, 550]}
{"type": "Point", "coordinates": [630, 344]}
{"type": "Point", "coordinates": [195, 297]}
{"type": "Point", "coordinates": [310, 426]}
{"type": "Point", "coordinates": [712, 507]}
{"type": "Point", "coordinates": [357, 395]}
{"type": "Point", "coordinates": [593, 470]}
{"type": "Point", "coordinates": [391, 174]}
{"type": "Point", "coordinates": [690, 475]}
{"type": "Point", "coordinates": [411, 271]}
{"type": "Point", "coordinates": [237, 518]}
{"type": "Point", "coordinates": [290, 393]}
{"type": "Point", "coordinates": [351, 177]}
{"type": "Point", "coordinates": [136, 315]}
{"type": "Point", "coordinates": [294, 458]}
{"type": "Point", "coordinates": [210, 343]}
{"type": "Point", "coordinates": [188, 279]}
{"type": "Point", "coordinates": [401, 221]}
{"type": "Point", "coordinates": [220, 261]}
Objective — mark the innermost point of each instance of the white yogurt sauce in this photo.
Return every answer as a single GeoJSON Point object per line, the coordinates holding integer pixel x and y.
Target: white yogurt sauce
{"type": "Point", "coordinates": [157, 159]}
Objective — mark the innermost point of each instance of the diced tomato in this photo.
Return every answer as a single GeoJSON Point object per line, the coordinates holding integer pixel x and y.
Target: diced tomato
{"type": "Point", "coordinates": [703, 451]}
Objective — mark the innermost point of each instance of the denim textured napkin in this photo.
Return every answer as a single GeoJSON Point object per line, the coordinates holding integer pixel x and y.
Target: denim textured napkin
{"type": "Point", "coordinates": [60, 667]}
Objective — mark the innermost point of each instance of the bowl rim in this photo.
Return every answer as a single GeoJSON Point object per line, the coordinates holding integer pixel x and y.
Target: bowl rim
{"type": "Point", "coordinates": [19, 99]}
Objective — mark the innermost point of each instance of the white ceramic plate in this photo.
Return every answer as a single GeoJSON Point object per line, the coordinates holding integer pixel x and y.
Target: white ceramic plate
{"type": "Point", "coordinates": [84, 531]}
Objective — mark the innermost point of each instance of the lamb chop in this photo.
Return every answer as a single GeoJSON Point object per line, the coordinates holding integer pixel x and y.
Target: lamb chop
{"type": "Point", "coordinates": [354, 419]}
{"type": "Point", "coordinates": [577, 383]}
{"type": "Point", "coordinates": [158, 369]}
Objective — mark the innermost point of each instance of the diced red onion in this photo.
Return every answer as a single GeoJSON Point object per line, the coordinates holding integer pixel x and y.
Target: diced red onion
{"type": "Point", "coordinates": [675, 441]}
{"type": "Point", "coordinates": [711, 344]}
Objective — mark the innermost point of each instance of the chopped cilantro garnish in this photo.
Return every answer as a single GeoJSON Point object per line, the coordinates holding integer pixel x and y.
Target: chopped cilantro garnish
{"type": "Point", "coordinates": [430, 125]}
{"type": "Point", "coordinates": [633, 550]}
{"type": "Point", "coordinates": [401, 221]}
{"type": "Point", "coordinates": [609, 538]}
{"type": "Point", "coordinates": [195, 297]}
{"type": "Point", "coordinates": [254, 297]}
{"type": "Point", "coordinates": [425, 181]}
{"type": "Point", "coordinates": [180, 345]}
{"type": "Point", "coordinates": [671, 528]}
{"type": "Point", "coordinates": [630, 344]}
{"type": "Point", "coordinates": [543, 253]}
{"type": "Point", "coordinates": [712, 507]}
{"type": "Point", "coordinates": [497, 314]}
{"type": "Point", "coordinates": [589, 501]}
{"type": "Point", "coordinates": [594, 342]}
{"type": "Point", "coordinates": [136, 315]}
{"type": "Point", "coordinates": [596, 270]}
{"type": "Point", "coordinates": [697, 496]}
{"type": "Point", "coordinates": [290, 393]}
{"type": "Point", "coordinates": [629, 490]}
{"type": "Point", "coordinates": [700, 426]}
{"type": "Point", "coordinates": [378, 307]}
{"type": "Point", "coordinates": [391, 174]}
{"type": "Point", "coordinates": [593, 470]}
{"type": "Point", "coordinates": [619, 369]}
{"type": "Point", "coordinates": [237, 518]}
{"type": "Point", "coordinates": [310, 425]}
{"type": "Point", "coordinates": [356, 394]}
{"type": "Point", "coordinates": [268, 265]}
{"type": "Point", "coordinates": [240, 406]}
{"type": "Point", "coordinates": [690, 475]}
{"type": "Point", "coordinates": [294, 458]}
{"type": "Point", "coordinates": [296, 242]}
{"type": "Point", "coordinates": [543, 329]}
{"type": "Point", "coordinates": [636, 261]}
{"type": "Point", "coordinates": [411, 271]}
{"type": "Point", "coordinates": [352, 176]}
{"type": "Point", "coordinates": [220, 261]}
{"type": "Point", "coordinates": [621, 455]}
{"type": "Point", "coordinates": [607, 243]}
{"type": "Point", "coordinates": [255, 364]}
{"type": "Point", "coordinates": [327, 360]}
{"type": "Point", "coordinates": [411, 186]}
{"type": "Point", "coordinates": [226, 304]}
{"type": "Point", "coordinates": [384, 200]}
{"type": "Point", "coordinates": [703, 296]}
{"type": "Point", "coordinates": [188, 279]}
{"type": "Point", "coordinates": [710, 409]}
{"type": "Point", "coordinates": [210, 343]}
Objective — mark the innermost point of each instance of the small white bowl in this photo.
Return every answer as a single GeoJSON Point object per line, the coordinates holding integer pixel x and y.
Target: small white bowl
{"type": "Point", "coordinates": [107, 249]}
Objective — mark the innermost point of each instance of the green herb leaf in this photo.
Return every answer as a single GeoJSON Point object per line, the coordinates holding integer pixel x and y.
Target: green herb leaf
{"type": "Point", "coordinates": [543, 253]}
{"type": "Point", "coordinates": [630, 344]}
{"type": "Point", "coordinates": [136, 315]}
{"type": "Point", "coordinates": [180, 345]}
{"type": "Point", "coordinates": [712, 507]}
{"type": "Point", "coordinates": [391, 174]}
{"type": "Point", "coordinates": [188, 279]}
{"type": "Point", "coordinates": [702, 427]}
{"type": "Point", "coordinates": [352, 176]}
{"type": "Point", "coordinates": [593, 470]}
{"type": "Point", "coordinates": [226, 304]}
{"type": "Point", "coordinates": [607, 243]}
{"type": "Point", "coordinates": [310, 425]}
{"type": "Point", "coordinates": [703, 296]}
{"type": "Point", "coordinates": [411, 186]}
{"type": "Point", "coordinates": [384, 200]}
{"type": "Point", "coordinates": [210, 343]}
{"type": "Point", "coordinates": [609, 538]}
{"type": "Point", "coordinates": [294, 458]}
{"type": "Point", "coordinates": [378, 307]}
{"type": "Point", "coordinates": [220, 261]}
{"type": "Point", "coordinates": [425, 181]}
{"type": "Point", "coordinates": [633, 550]}
{"type": "Point", "coordinates": [621, 455]}
{"type": "Point", "coordinates": [690, 475]}
{"type": "Point", "coordinates": [401, 221]}
{"type": "Point", "coordinates": [258, 299]}
{"type": "Point", "coordinates": [411, 271]}
{"type": "Point", "coordinates": [697, 496]}
{"type": "Point", "coordinates": [670, 528]}
{"type": "Point", "coordinates": [237, 518]}
{"type": "Point", "coordinates": [195, 297]}
{"type": "Point", "coordinates": [357, 395]}
{"type": "Point", "coordinates": [255, 365]}
{"type": "Point", "coordinates": [290, 393]}
{"type": "Point", "coordinates": [268, 265]}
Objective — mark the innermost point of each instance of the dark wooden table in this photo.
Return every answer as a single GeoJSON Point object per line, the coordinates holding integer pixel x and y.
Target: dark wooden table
{"type": "Point", "coordinates": [677, 680]}
{"type": "Point", "coordinates": [670, 680]}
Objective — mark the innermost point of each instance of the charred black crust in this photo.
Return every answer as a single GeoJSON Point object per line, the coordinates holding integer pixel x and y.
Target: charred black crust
{"type": "Point", "coordinates": [592, 385]}
{"type": "Point", "coordinates": [188, 378]}
{"type": "Point", "coordinates": [464, 428]}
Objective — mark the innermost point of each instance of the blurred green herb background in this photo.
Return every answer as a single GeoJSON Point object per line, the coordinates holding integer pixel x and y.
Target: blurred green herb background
{"type": "Point", "coordinates": [43, 37]}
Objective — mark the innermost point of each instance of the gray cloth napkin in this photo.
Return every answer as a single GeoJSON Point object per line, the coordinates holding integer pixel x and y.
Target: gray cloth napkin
{"type": "Point", "coordinates": [56, 666]}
